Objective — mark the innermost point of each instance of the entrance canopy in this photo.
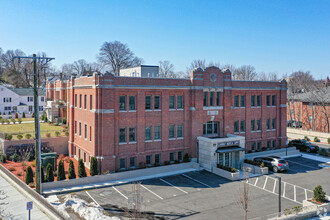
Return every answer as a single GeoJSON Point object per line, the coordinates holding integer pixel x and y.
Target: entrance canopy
{"type": "Point", "coordinates": [229, 149]}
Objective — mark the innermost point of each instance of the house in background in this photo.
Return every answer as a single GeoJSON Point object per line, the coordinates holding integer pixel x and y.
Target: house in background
{"type": "Point", "coordinates": [19, 100]}
{"type": "Point", "coordinates": [144, 71]}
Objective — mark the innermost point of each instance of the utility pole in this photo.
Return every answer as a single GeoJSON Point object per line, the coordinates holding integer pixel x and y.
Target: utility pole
{"type": "Point", "coordinates": [36, 115]}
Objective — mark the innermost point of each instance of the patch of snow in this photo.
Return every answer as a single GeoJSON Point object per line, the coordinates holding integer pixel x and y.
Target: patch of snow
{"type": "Point", "coordinates": [88, 211]}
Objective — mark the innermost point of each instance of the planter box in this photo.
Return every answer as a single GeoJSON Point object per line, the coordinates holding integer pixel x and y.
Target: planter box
{"type": "Point", "coordinates": [226, 174]}
{"type": "Point", "coordinates": [256, 169]}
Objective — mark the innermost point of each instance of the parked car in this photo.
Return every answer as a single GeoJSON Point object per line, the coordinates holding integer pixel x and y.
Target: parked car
{"type": "Point", "coordinates": [303, 145]}
{"type": "Point", "coordinates": [294, 124]}
{"type": "Point", "coordinates": [273, 163]}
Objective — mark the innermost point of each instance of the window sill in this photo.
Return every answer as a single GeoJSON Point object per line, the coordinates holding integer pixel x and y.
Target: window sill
{"type": "Point", "coordinates": [171, 139]}
{"type": "Point", "coordinates": [122, 111]}
{"type": "Point", "coordinates": [157, 110]}
{"type": "Point", "coordinates": [172, 109]}
{"type": "Point", "coordinates": [122, 143]}
{"type": "Point", "coordinates": [158, 140]}
{"type": "Point", "coordinates": [147, 141]}
{"type": "Point", "coordinates": [132, 111]}
{"type": "Point", "coordinates": [180, 138]}
{"type": "Point", "coordinates": [180, 109]}
{"type": "Point", "coordinates": [148, 110]}
{"type": "Point", "coordinates": [132, 142]}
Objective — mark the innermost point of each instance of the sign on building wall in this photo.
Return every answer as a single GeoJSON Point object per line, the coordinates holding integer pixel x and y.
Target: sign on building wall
{"type": "Point", "coordinates": [212, 112]}
{"type": "Point", "coordinates": [230, 143]}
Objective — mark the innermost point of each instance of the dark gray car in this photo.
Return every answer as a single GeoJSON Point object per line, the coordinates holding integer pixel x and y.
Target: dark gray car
{"type": "Point", "coordinates": [273, 163]}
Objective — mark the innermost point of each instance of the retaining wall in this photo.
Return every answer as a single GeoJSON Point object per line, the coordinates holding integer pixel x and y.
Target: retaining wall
{"type": "Point", "coordinates": [299, 133]}
{"type": "Point", "coordinates": [279, 152]}
{"type": "Point", "coordinates": [60, 144]}
{"type": "Point", "coordinates": [226, 174]}
{"type": "Point", "coordinates": [121, 176]}
{"type": "Point", "coordinates": [37, 199]}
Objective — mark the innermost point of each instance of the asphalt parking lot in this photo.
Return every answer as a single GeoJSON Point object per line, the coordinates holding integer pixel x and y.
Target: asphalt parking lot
{"type": "Point", "coordinates": [203, 195]}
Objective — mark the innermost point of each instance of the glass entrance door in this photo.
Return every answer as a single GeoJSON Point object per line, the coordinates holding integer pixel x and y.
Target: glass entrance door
{"type": "Point", "coordinates": [225, 159]}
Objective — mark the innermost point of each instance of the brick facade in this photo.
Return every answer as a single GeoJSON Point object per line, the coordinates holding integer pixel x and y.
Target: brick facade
{"type": "Point", "coordinates": [94, 104]}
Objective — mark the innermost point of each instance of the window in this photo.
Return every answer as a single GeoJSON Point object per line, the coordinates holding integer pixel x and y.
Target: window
{"type": "Point", "coordinates": [236, 128]}
{"type": "Point", "coordinates": [268, 100]}
{"type": "Point", "coordinates": [236, 101]}
{"type": "Point", "coordinates": [210, 128]}
{"type": "Point", "coordinates": [8, 108]}
{"type": "Point", "coordinates": [258, 100]}
{"type": "Point", "coordinates": [211, 98]}
{"type": "Point", "coordinates": [253, 146]}
{"type": "Point", "coordinates": [172, 157]}
{"type": "Point", "coordinates": [75, 100]}
{"type": "Point", "coordinates": [179, 102]}
{"type": "Point", "coordinates": [242, 126]}
{"type": "Point", "coordinates": [171, 102]}
{"type": "Point", "coordinates": [148, 133]}
{"type": "Point", "coordinates": [90, 133]}
{"type": "Point", "coordinates": [85, 131]}
{"type": "Point", "coordinates": [171, 131]}
{"type": "Point", "coordinates": [132, 103]}
{"type": "Point", "coordinates": [122, 163]}
{"type": "Point", "coordinates": [252, 125]}
{"type": "Point", "coordinates": [75, 127]}
{"type": "Point", "coordinates": [30, 99]}
{"type": "Point", "coordinates": [30, 108]}
{"type": "Point", "coordinates": [242, 100]}
{"type": "Point", "coordinates": [122, 135]}
{"type": "Point", "coordinates": [148, 159]}
{"type": "Point", "coordinates": [42, 99]}
{"type": "Point", "coordinates": [157, 132]}
{"type": "Point", "coordinates": [41, 108]}
{"type": "Point", "coordinates": [131, 134]}
{"type": "Point", "coordinates": [79, 128]}
{"type": "Point", "coordinates": [157, 102]}
{"type": "Point", "coordinates": [85, 102]}
{"type": "Point", "coordinates": [274, 144]}
{"type": "Point", "coordinates": [148, 102]}
{"type": "Point", "coordinates": [218, 98]}
{"type": "Point", "coordinates": [180, 155]}
{"type": "Point", "coordinates": [80, 101]}
{"type": "Point", "coordinates": [179, 131]}
{"type": "Point", "coordinates": [157, 158]}
{"type": "Point", "coordinates": [311, 105]}
{"type": "Point", "coordinates": [205, 99]}
{"type": "Point", "coordinates": [259, 125]}
{"type": "Point", "coordinates": [122, 103]}
{"type": "Point", "coordinates": [253, 100]}
{"type": "Point", "coordinates": [274, 123]}
{"type": "Point", "coordinates": [259, 145]}
{"type": "Point", "coordinates": [268, 144]}
{"type": "Point", "coordinates": [90, 102]}
{"type": "Point", "coordinates": [132, 162]}
{"type": "Point", "coordinates": [274, 100]}
{"type": "Point", "coordinates": [268, 124]}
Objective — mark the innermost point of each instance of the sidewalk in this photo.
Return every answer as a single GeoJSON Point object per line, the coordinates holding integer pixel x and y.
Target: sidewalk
{"type": "Point", "coordinates": [13, 203]}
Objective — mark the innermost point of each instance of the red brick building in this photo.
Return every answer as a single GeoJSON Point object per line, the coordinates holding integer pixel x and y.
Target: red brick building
{"type": "Point", "coordinates": [132, 121]}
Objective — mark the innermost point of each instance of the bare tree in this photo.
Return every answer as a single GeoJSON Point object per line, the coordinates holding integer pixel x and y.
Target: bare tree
{"type": "Point", "coordinates": [166, 69]}
{"type": "Point", "coordinates": [117, 55]}
{"type": "Point", "coordinates": [197, 63]}
{"type": "Point", "coordinates": [136, 201]}
{"type": "Point", "coordinates": [272, 76]}
{"type": "Point", "coordinates": [244, 193]}
{"type": "Point", "coordinates": [246, 72]}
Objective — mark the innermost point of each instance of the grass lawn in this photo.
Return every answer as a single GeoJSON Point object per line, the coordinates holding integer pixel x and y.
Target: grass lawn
{"type": "Point", "coordinates": [29, 128]}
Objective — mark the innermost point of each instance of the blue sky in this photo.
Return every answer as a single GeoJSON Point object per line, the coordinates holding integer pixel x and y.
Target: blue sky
{"type": "Point", "coordinates": [273, 36]}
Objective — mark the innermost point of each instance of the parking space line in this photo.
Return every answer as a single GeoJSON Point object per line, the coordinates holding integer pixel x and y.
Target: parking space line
{"type": "Point", "coordinates": [152, 192]}
{"type": "Point", "coordinates": [119, 192]}
{"type": "Point", "coordinates": [294, 193]}
{"type": "Point", "coordinates": [93, 198]}
{"type": "Point", "coordinates": [305, 194]}
{"type": "Point", "coordinates": [256, 181]}
{"type": "Point", "coordinates": [274, 186]}
{"type": "Point", "coordinates": [173, 185]}
{"type": "Point", "coordinates": [276, 194]}
{"type": "Point", "coordinates": [303, 165]}
{"type": "Point", "coordinates": [196, 180]}
{"type": "Point", "coordinates": [284, 185]}
{"type": "Point", "coordinates": [265, 182]}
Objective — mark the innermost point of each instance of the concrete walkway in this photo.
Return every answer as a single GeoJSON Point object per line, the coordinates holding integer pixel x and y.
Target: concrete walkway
{"type": "Point", "coordinates": [13, 203]}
